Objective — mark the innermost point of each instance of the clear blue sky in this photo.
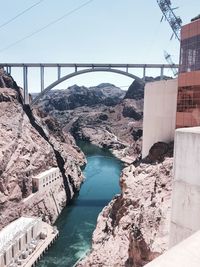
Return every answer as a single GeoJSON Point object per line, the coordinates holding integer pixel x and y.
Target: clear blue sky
{"type": "Point", "coordinates": [104, 31]}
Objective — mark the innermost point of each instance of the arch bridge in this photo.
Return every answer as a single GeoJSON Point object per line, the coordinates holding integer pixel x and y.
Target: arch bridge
{"type": "Point", "coordinates": [78, 69]}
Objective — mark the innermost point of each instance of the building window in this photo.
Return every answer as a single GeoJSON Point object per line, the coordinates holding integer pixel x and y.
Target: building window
{"type": "Point", "coordinates": [190, 54]}
{"type": "Point", "coordinates": [20, 244]}
{"type": "Point", "coordinates": [26, 238]}
{"type": "Point", "coordinates": [32, 232]}
{"type": "Point", "coordinates": [188, 107]}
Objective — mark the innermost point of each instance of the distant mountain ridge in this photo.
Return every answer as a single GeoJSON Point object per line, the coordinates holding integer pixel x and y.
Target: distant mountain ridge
{"type": "Point", "coordinates": [77, 96]}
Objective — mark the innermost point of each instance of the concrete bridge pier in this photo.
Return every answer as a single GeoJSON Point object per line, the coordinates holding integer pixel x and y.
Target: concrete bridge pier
{"type": "Point", "coordinates": [25, 85]}
{"type": "Point", "coordinates": [42, 78]}
{"type": "Point", "coordinates": [8, 70]}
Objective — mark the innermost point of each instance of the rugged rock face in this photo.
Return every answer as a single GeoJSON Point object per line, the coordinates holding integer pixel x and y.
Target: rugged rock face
{"type": "Point", "coordinates": [29, 146]}
{"type": "Point", "coordinates": [135, 91]}
{"type": "Point", "coordinates": [6, 80]}
{"type": "Point", "coordinates": [133, 229]}
{"type": "Point", "coordinates": [77, 96]}
{"type": "Point", "coordinates": [99, 115]}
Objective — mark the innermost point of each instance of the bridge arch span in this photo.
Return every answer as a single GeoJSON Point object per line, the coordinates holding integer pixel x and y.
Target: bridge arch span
{"type": "Point", "coordinates": [76, 73]}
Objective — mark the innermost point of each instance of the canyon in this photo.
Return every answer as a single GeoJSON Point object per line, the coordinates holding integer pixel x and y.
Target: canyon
{"type": "Point", "coordinates": [133, 228]}
{"type": "Point", "coordinates": [104, 115]}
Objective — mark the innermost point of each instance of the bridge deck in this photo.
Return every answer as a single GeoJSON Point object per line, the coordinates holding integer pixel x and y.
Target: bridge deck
{"type": "Point", "coordinates": [88, 65]}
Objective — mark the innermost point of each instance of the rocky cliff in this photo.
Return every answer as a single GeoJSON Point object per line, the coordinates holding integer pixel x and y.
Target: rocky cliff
{"type": "Point", "coordinates": [77, 96]}
{"type": "Point", "coordinates": [28, 146]}
{"type": "Point", "coordinates": [134, 228]}
{"type": "Point", "coordinates": [99, 115]}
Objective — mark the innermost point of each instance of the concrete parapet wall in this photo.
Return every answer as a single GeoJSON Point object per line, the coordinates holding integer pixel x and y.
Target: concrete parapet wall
{"type": "Point", "coordinates": [185, 217]}
{"type": "Point", "coordinates": [185, 254]}
{"type": "Point", "coordinates": [159, 113]}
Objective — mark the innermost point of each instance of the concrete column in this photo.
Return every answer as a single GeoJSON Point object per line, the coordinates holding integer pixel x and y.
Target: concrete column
{"type": "Point", "coordinates": [8, 69]}
{"type": "Point", "coordinates": [8, 255]}
{"type": "Point", "coordinates": [59, 72]}
{"type": "Point", "coordinates": [23, 241]}
{"type": "Point", "coordinates": [2, 260]}
{"type": "Point", "coordinates": [25, 84]}
{"type": "Point", "coordinates": [42, 78]}
{"type": "Point", "coordinates": [35, 230]}
{"type": "Point", "coordinates": [185, 217]}
{"type": "Point", "coordinates": [16, 246]}
{"type": "Point", "coordinates": [161, 73]}
{"type": "Point", "coordinates": [144, 73]}
{"type": "Point", "coordinates": [29, 235]}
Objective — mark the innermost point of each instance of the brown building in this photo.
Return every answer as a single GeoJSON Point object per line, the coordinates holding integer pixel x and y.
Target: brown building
{"type": "Point", "coordinates": [188, 102]}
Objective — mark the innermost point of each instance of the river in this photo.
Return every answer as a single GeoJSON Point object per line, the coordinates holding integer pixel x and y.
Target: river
{"type": "Point", "coordinates": [77, 221]}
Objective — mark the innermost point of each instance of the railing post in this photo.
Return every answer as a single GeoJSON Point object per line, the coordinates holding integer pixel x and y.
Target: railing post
{"type": "Point", "coordinates": [127, 68]}
{"type": "Point", "coordinates": [75, 67]}
{"type": "Point", "coordinates": [25, 84]}
{"type": "Point", "coordinates": [42, 78]}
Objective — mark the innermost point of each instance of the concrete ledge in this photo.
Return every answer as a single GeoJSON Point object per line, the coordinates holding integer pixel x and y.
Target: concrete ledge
{"type": "Point", "coordinates": [185, 254]}
{"type": "Point", "coordinates": [185, 218]}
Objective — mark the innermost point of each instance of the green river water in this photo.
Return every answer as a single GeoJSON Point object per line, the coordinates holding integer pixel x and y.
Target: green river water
{"type": "Point", "coordinates": [77, 221]}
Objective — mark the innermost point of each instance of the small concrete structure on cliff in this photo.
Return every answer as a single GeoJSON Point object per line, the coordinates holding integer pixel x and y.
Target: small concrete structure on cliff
{"type": "Point", "coordinates": [16, 238]}
{"type": "Point", "coordinates": [24, 240]}
{"type": "Point", "coordinates": [46, 179]}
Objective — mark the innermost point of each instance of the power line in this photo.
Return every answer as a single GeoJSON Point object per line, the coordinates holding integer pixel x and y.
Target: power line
{"type": "Point", "coordinates": [20, 14]}
{"type": "Point", "coordinates": [46, 26]}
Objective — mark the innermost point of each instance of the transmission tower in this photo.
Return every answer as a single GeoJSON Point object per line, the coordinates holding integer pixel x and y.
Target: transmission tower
{"type": "Point", "coordinates": [168, 13]}
{"type": "Point", "coordinates": [171, 63]}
